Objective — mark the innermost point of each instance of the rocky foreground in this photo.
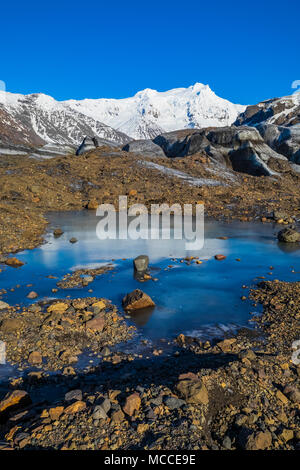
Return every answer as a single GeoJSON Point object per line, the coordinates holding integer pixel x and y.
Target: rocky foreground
{"type": "Point", "coordinates": [239, 393]}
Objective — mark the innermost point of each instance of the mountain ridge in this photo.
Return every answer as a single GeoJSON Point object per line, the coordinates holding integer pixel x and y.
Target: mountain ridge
{"type": "Point", "coordinates": [37, 119]}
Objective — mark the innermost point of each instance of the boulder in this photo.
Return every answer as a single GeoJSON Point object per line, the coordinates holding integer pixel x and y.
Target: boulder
{"type": "Point", "coordinates": [193, 391]}
{"type": "Point", "coordinates": [241, 148]}
{"type": "Point", "coordinates": [132, 404]}
{"type": "Point", "coordinates": [288, 235]}
{"type": "Point", "coordinates": [3, 305]}
{"type": "Point", "coordinates": [282, 139]}
{"type": "Point", "coordinates": [145, 148]}
{"type": "Point", "coordinates": [259, 441]}
{"type": "Point", "coordinates": [136, 300]}
{"type": "Point", "coordinates": [14, 262]}
{"type": "Point", "coordinates": [141, 263]}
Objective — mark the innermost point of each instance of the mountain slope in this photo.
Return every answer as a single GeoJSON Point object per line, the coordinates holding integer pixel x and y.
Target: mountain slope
{"type": "Point", "coordinates": [283, 111]}
{"type": "Point", "coordinates": [150, 113]}
{"type": "Point", "coordinates": [35, 120]}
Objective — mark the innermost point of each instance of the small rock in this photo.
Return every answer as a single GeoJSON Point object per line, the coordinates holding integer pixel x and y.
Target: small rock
{"type": "Point", "coordinates": [32, 295]}
{"type": "Point", "coordinates": [292, 391]}
{"type": "Point", "coordinates": [55, 413]}
{"type": "Point", "coordinates": [73, 240]}
{"type": "Point", "coordinates": [141, 263]}
{"type": "Point", "coordinates": [117, 416]}
{"type": "Point", "coordinates": [35, 358]}
{"type": "Point", "coordinates": [220, 257]}
{"type": "Point", "coordinates": [57, 232]}
{"type": "Point", "coordinates": [75, 407]}
{"type": "Point", "coordinates": [74, 395]}
{"type": "Point", "coordinates": [97, 323]}
{"type": "Point", "coordinates": [227, 442]}
{"type": "Point", "coordinates": [174, 403]}
{"type": "Point", "coordinates": [93, 205]}
{"type": "Point", "coordinates": [132, 404]}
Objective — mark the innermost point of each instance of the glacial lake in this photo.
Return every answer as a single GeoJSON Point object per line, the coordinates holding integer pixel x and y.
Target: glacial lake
{"type": "Point", "coordinates": [203, 300]}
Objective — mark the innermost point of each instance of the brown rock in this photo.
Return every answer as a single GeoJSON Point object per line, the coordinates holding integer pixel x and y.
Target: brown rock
{"type": "Point", "coordinates": [14, 262]}
{"type": "Point", "coordinates": [93, 205]}
{"type": "Point", "coordinates": [59, 308]}
{"type": "Point", "coordinates": [35, 358]}
{"type": "Point", "coordinates": [226, 345]}
{"type": "Point", "coordinates": [259, 441]}
{"type": "Point", "coordinates": [220, 257]}
{"type": "Point", "coordinates": [193, 391]}
{"type": "Point", "coordinates": [75, 407]}
{"type": "Point", "coordinates": [292, 391]}
{"type": "Point", "coordinates": [10, 325]}
{"type": "Point", "coordinates": [117, 416]}
{"type": "Point", "coordinates": [32, 295]}
{"type": "Point", "coordinates": [97, 323]}
{"type": "Point", "coordinates": [132, 404]}
{"type": "Point", "coordinates": [16, 399]}
{"type": "Point", "coordinates": [56, 412]}
{"type": "Point", "coordinates": [136, 300]}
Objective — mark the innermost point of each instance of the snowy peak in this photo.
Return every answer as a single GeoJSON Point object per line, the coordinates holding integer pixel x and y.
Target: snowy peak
{"type": "Point", "coordinates": [150, 112]}
{"type": "Point", "coordinates": [40, 119]}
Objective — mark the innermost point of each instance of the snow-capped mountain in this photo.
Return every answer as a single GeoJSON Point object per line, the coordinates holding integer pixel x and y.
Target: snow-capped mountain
{"type": "Point", "coordinates": [37, 119]}
{"type": "Point", "coordinates": [150, 113]}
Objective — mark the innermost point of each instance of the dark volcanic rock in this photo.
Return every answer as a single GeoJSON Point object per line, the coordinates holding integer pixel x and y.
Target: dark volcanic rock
{"type": "Point", "coordinates": [144, 147]}
{"type": "Point", "coordinates": [241, 148]}
{"type": "Point", "coordinates": [284, 140]}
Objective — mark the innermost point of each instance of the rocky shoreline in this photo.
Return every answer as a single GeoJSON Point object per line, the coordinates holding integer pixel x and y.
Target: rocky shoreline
{"type": "Point", "coordinates": [238, 393]}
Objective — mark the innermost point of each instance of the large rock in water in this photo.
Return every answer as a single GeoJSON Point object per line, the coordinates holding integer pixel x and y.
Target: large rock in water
{"type": "Point", "coordinates": [241, 148]}
{"type": "Point", "coordinates": [144, 147]}
{"type": "Point", "coordinates": [288, 235]}
{"type": "Point", "coordinates": [141, 263]}
{"type": "Point", "coordinates": [136, 300]}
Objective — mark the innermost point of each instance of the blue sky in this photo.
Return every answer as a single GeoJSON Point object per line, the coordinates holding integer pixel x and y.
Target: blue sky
{"type": "Point", "coordinates": [245, 51]}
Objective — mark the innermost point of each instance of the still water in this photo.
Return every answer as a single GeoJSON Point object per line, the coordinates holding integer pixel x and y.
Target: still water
{"type": "Point", "coordinates": [199, 299]}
